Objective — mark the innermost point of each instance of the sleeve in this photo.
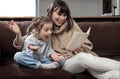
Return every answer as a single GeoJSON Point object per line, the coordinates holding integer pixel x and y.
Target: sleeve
{"type": "Point", "coordinates": [20, 42]}
{"type": "Point", "coordinates": [30, 42]}
{"type": "Point", "coordinates": [27, 42]}
{"type": "Point", "coordinates": [87, 46]}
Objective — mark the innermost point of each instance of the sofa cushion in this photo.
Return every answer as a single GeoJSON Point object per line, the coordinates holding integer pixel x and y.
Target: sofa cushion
{"type": "Point", "coordinates": [9, 69]}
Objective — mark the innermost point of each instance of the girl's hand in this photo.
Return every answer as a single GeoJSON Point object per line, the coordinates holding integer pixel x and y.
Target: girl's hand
{"type": "Point", "coordinates": [34, 48]}
{"type": "Point", "coordinates": [56, 56]}
{"type": "Point", "coordinates": [13, 27]}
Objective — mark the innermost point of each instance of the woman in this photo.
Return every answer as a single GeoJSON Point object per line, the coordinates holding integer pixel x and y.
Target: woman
{"type": "Point", "coordinates": [63, 29]}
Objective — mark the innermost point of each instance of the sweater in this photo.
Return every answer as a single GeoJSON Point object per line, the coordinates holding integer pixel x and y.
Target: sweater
{"type": "Point", "coordinates": [60, 39]}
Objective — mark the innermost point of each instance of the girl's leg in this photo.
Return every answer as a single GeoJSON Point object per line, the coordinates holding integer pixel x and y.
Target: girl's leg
{"type": "Point", "coordinates": [26, 60]}
{"type": "Point", "coordinates": [30, 61]}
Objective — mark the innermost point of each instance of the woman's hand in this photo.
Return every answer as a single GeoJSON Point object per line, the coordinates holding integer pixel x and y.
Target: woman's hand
{"type": "Point", "coordinates": [79, 49]}
{"type": "Point", "coordinates": [13, 27]}
{"type": "Point", "coordinates": [56, 56]}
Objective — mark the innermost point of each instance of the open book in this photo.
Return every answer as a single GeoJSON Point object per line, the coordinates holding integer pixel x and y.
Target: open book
{"type": "Point", "coordinates": [77, 39]}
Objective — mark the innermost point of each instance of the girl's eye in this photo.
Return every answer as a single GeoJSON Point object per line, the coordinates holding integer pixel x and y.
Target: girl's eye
{"type": "Point", "coordinates": [46, 30]}
{"type": "Point", "coordinates": [51, 30]}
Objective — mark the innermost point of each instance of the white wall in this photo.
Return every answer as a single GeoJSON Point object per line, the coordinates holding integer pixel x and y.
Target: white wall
{"type": "Point", "coordinates": [15, 8]}
{"type": "Point", "coordinates": [77, 7]}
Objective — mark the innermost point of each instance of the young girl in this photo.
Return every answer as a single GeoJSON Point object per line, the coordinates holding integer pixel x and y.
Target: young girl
{"type": "Point", "coordinates": [37, 45]}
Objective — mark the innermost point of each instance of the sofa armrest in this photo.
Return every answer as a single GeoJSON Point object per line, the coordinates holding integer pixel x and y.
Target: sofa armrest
{"type": "Point", "coordinates": [0, 53]}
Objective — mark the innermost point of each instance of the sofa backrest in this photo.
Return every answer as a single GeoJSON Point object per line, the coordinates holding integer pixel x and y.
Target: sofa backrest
{"type": "Point", "coordinates": [104, 35]}
{"type": "Point", "coordinates": [7, 36]}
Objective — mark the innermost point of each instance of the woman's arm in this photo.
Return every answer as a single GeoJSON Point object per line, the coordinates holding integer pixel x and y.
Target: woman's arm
{"type": "Point", "coordinates": [18, 41]}
{"type": "Point", "coordinates": [87, 46]}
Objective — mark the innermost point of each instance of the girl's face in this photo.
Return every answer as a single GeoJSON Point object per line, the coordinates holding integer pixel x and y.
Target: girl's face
{"type": "Point", "coordinates": [45, 32]}
{"type": "Point", "coordinates": [58, 18]}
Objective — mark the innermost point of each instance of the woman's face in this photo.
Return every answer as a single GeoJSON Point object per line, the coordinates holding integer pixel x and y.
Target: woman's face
{"type": "Point", "coordinates": [58, 18]}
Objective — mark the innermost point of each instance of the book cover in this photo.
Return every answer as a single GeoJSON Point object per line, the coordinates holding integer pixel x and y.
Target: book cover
{"type": "Point", "coordinates": [77, 39]}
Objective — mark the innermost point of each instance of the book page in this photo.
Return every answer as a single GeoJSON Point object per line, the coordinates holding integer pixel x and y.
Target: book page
{"type": "Point", "coordinates": [77, 39]}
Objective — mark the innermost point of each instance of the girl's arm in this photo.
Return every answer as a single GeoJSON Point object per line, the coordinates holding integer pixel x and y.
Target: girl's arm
{"type": "Point", "coordinates": [32, 47]}
{"type": "Point", "coordinates": [56, 56]}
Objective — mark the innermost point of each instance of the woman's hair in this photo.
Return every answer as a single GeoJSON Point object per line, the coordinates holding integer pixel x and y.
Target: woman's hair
{"type": "Point", "coordinates": [37, 23]}
{"type": "Point", "coordinates": [63, 8]}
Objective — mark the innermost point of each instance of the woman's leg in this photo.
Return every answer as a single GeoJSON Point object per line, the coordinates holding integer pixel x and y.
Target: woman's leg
{"type": "Point", "coordinates": [82, 60]}
{"type": "Point", "coordinates": [73, 65]}
{"type": "Point", "coordinates": [98, 63]}
{"type": "Point", "coordinates": [26, 60]}
{"type": "Point", "coordinates": [114, 74]}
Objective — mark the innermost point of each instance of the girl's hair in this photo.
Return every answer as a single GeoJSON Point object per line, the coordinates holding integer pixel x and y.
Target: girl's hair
{"type": "Point", "coordinates": [37, 23]}
{"type": "Point", "coordinates": [60, 4]}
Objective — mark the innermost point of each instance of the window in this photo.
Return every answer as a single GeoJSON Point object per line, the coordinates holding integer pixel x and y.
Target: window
{"type": "Point", "coordinates": [107, 7]}
{"type": "Point", "coordinates": [17, 8]}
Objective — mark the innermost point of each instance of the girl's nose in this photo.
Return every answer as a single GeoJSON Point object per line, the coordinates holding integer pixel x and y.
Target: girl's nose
{"type": "Point", "coordinates": [49, 32]}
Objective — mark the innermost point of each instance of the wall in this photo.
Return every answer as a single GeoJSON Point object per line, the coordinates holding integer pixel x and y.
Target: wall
{"type": "Point", "coordinates": [77, 7]}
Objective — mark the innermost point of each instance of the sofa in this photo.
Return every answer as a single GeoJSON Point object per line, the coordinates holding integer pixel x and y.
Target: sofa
{"type": "Point", "coordinates": [104, 35]}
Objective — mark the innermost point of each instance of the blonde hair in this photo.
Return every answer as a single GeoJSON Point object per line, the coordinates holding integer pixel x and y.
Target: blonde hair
{"type": "Point", "coordinates": [37, 23]}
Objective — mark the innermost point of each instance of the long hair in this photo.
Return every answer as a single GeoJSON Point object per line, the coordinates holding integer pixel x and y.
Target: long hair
{"type": "Point", "coordinates": [37, 23]}
{"type": "Point", "coordinates": [63, 8]}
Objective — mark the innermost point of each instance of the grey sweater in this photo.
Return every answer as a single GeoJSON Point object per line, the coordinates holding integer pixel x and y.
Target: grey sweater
{"type": "Point", "coordinates": [43, 51]}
